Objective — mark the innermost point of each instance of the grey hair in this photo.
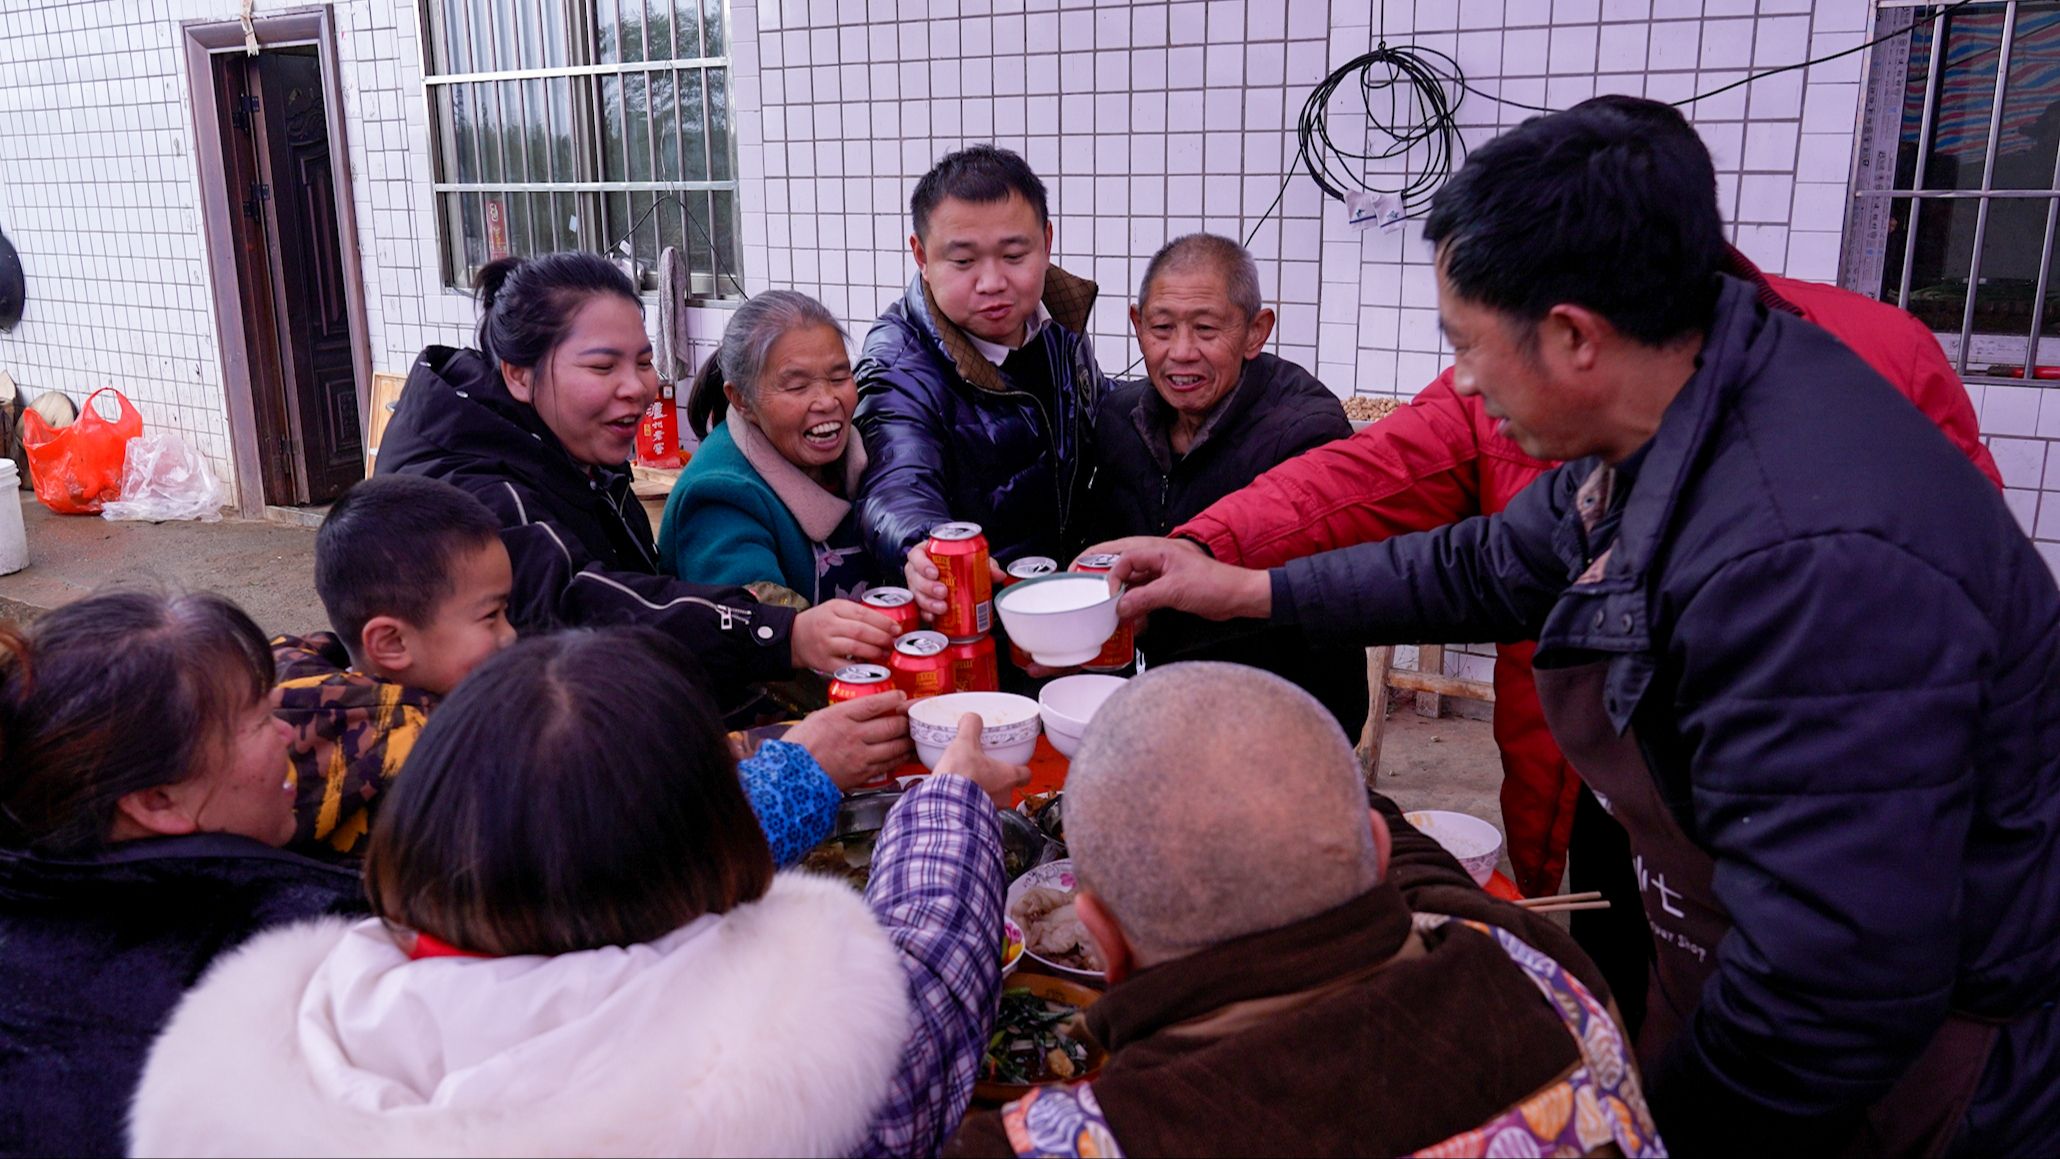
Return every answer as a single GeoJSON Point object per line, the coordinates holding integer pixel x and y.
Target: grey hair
{"type": "Point", "coordinates": [754, 328]}
{"type": "Point", "coordinates": [759, 323]}
{"type": "Point", "coordinates": [1209, 801]}
{"type": "Point", "coordinates": [1240, 272]}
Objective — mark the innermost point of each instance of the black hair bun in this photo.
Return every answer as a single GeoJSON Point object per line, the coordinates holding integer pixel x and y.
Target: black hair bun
{"type": "Point", "coordinates": [491, 277]}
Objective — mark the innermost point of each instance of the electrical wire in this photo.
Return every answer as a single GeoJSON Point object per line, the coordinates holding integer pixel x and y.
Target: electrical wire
{"type": "Point", "coordinates": [1411, 97]}
{"type": "Point", "coordinates": [1423, 90]}
{"type": "Point", "coordinates": [715, 250]}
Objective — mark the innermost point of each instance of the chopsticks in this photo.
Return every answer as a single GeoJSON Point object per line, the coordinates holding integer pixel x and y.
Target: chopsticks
{"type": "Point", "coordinates": [1565, 902]}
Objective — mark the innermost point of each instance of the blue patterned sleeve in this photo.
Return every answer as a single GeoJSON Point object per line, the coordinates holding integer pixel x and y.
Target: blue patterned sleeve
{"type": "Point", "coordinates": [937, 890]}
{"type": "Point", "coordinates": [796, 801]}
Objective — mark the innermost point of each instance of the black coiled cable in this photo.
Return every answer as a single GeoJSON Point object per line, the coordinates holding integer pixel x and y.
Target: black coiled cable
{"type": "Point", "coordinates": [1411, 98]}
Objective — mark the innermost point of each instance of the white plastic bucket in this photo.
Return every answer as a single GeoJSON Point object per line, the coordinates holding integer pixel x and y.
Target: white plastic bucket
{"type": "Point", "coordinates": [14, 542]}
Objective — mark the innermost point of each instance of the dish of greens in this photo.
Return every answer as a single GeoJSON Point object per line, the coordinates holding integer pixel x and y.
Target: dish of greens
{"type": "Point", "coordinates": [1035, 1040]}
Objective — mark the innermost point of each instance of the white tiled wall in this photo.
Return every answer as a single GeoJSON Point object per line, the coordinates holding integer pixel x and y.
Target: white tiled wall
{"type": "Point", "coordinates": [99, 191]}
{"type": "Point", "coordinates": [1147, 119]}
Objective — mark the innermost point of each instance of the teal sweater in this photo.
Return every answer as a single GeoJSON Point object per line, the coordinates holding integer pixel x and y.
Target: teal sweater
{"type": "Point", "coordinates": [725, 525]}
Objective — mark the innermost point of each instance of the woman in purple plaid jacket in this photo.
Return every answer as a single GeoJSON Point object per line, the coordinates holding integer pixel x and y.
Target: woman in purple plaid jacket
{"type": "Point", "coordinates": [583, 948]}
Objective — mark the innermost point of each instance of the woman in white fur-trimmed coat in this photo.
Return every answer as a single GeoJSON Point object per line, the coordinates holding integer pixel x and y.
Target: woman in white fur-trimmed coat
{"type": "Point", "coordinates": [582, 948]}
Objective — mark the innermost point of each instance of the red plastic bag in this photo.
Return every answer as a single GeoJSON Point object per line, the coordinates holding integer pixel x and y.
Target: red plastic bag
{"type": "Point", "coordinates": [79, 467]}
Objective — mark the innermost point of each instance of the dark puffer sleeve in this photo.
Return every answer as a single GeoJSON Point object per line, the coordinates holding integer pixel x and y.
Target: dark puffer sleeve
{"type": "Point", "coordinates": [558, 584]}
{"type": "Point", "coordinates": [902, 495]}
{"type": "Point", "coordinates": [1489, 578]}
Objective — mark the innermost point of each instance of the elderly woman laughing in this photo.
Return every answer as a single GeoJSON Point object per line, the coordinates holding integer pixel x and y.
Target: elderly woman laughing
{"type": "Point", "coordinates": [766, 501]}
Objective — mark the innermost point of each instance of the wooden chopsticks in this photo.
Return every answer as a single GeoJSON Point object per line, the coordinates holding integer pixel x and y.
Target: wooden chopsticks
{"type": "Point", "coordinates": [1565, 902]}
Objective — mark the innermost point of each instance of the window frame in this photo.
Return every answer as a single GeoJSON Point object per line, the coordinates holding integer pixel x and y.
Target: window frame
{"type": "Point", "coordinates": [578, 24]}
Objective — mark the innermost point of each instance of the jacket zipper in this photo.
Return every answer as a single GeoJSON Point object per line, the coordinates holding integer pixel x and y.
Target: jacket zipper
{"type": "Point", "coordinates": [1064, 490]}
{"type": "Point", "coordinates": [1073, 471]}
{"type": "Point", "coordinates": [629, 531]}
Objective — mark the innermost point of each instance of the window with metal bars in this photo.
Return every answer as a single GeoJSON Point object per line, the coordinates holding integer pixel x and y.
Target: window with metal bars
{"type": "Point", "coordinates": [1957, 182]}
{"type": "Point", "coordinates": [601, 125]}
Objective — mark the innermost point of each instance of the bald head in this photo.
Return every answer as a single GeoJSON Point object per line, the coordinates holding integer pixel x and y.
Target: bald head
{"type": "Point", "coordinates": [1209, 801]}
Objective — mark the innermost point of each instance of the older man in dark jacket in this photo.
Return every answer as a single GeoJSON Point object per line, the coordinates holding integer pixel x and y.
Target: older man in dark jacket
{"type": "Point", "coordinates": [1790, 636]}
{"type": "Point", "coordinates": [1214, 412]}
{"type": "Point", "coordinates": [977, 390]}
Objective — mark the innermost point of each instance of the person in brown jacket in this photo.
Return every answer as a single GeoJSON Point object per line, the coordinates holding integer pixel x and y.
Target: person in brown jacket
{"type": "Point", "coordinates": [1291, 976]}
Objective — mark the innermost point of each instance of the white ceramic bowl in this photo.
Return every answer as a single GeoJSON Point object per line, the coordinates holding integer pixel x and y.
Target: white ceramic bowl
{"type": "Point", "coordinates": [1058, 875]}
{"type": "Point", "coordinates": [1476, 844]}
{"type": "Point", "coordinates": [1061, 620]}
{"type": "Point", "coordinates": [1010, 732]}
{"type": "Point", "coordinates": [1068, 703]}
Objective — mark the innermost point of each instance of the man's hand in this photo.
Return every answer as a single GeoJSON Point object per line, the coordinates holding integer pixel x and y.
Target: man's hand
{"type": "Point", "coordinates": [839, 632]}
{"type": "Point", "coordinates": [859, 740]}
{"type": "Point", "coordinates": [1132, 542]}
{"type": "Point", "coordinates": [1177, 574]}
{"type": "Point", "coordinates": [927, 583]}
{"type": "Point", "coordinates": [965, 758]}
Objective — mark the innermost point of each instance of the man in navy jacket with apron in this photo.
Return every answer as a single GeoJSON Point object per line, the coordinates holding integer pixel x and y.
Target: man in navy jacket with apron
{"type": "Point", "coordinates": [1787, 633]}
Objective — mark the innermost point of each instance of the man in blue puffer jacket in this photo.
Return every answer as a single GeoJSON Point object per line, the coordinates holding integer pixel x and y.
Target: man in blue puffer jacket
{"type": "Point", "coordinates": [977, 390]}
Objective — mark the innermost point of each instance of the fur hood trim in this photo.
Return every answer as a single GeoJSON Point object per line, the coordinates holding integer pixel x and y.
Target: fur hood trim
{"type": "Point", "coordinates": [774, 1029]}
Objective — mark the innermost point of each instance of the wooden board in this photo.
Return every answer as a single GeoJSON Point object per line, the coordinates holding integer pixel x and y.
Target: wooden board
{"type": "Point", "coordinates": [386, 394]}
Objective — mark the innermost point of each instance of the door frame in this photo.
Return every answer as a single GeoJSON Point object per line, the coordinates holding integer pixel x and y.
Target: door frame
{"type": "Point", "coordinates": [203, 40]}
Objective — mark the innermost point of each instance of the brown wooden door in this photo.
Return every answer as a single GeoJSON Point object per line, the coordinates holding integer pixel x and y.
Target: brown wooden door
{"type": "Point", "coordinates": [278, 459]}
{"type": "Point", "coordinates": [321, 388]}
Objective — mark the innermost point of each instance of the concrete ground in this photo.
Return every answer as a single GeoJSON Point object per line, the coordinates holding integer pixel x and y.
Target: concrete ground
{"type": "Point", "coordinates": [268, 568]}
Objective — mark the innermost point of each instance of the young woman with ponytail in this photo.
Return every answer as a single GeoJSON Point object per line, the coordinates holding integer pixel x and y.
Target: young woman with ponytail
{"type": "Point", "coordinates": [538, 423]}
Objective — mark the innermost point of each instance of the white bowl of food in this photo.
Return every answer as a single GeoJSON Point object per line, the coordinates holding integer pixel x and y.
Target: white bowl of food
{"type": "Point", "coordinates": [1068, 703]}
{"type": "Point", "coordinates": [1061, 620]}
{"type": "Point", "coordinates": [1475, 843]}
{"type": "Point", "coordinates": [1009, 725]}
{"type": "Point", "coordinates": [1041, 903]}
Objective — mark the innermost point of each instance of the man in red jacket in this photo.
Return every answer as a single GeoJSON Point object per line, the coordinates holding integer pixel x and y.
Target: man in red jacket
{"type": "Point", "coordinates": [1439, 460]}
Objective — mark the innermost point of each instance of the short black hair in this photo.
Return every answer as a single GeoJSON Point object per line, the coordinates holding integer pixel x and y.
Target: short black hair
{"type": "Point", "coordinates": [545, 811]}
{"type": "Point", "coordinates": [980, 174]}
{"type": "Point", "coordinates": [1592, 207]}
{"type": "Point", "coordinates": [386, 548]}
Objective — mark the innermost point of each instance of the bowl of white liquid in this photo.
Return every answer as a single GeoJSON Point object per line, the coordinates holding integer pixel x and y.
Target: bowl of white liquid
{"type": "Point", "coordinates": [1061, 620]}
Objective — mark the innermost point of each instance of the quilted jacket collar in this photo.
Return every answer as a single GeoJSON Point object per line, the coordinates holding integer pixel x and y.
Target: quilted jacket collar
{"type": "Point", "coordinates": [1067, 298]}
{"type": "Point", "coordinates": [1608, 609]}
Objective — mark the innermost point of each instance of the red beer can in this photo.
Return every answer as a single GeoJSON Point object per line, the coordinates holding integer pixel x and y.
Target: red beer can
{"type": "Point", "coordinates": [921, 667]}
{"type": "Point", "coordinates": [972, 665]}
{"type": "Point", "coordinates": [855, 680]}
{"type": "Point", "coordinates": [1028, 567]}
{"type": "Point", "coordinates": [1032, 566]}
{"type": "Point", "coordinates": [897, 604]}
{"type": "Point", "coordinates": [960, 553]}
{"type": "Point", "coordinates": [1121, 650]}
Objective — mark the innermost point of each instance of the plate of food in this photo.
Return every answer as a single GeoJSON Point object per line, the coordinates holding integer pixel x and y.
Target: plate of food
{"type": "Point", "coordinates": [1039, 1038]}
{"type": "Point", "coordinates": [849, 851]}
{"type": "Point", "coordinates": [1041, 902]}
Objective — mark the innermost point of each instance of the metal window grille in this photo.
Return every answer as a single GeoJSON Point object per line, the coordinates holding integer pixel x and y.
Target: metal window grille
{"type": "Point", "coordinates": [601, 125]}
{"type": "Point", "coordinates": [1956, 185]}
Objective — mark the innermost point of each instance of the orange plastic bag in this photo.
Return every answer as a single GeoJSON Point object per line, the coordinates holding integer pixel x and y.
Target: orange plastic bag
{"type": "Point", "coordinates": [79, 467]}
